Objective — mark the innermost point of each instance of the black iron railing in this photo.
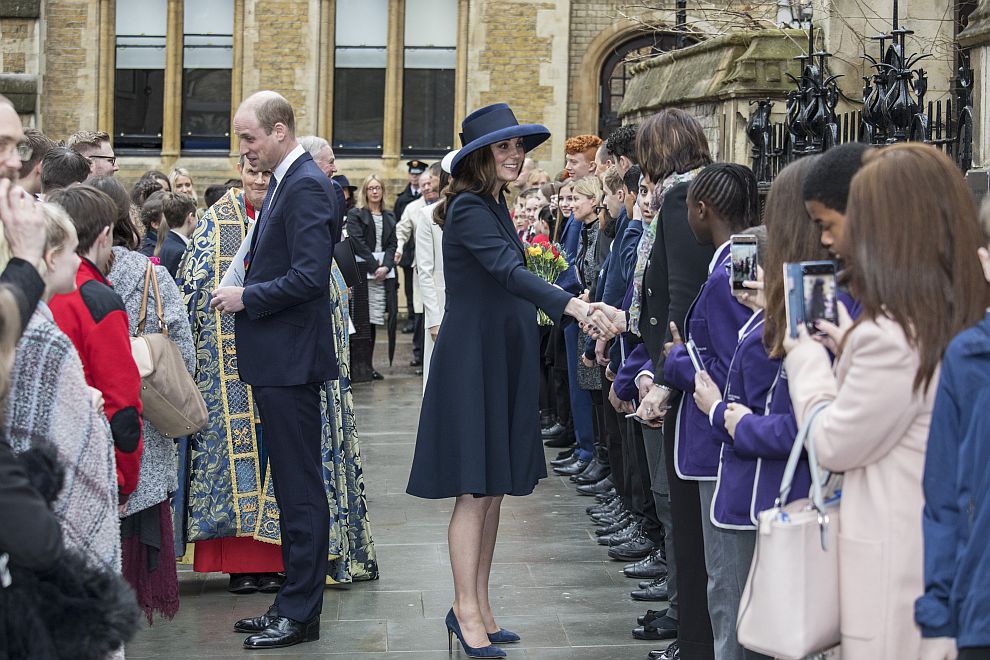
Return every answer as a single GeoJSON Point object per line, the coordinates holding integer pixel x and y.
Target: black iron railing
{"type": "Point", "coordinates": [894, 109]}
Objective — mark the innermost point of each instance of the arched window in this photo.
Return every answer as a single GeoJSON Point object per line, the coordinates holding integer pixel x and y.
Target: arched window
{"type": "Point", "coordinates": [615, 72]}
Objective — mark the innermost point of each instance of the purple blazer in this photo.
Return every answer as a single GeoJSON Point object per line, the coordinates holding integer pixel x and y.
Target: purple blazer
{"type": "Point", "coordinates": [750, 376]}
{"type": "Point", "coordinates": [713, 322]}
{"type": "Point", "coordinates": [765, 438]}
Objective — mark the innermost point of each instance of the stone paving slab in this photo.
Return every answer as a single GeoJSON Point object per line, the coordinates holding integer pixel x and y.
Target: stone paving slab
{"type": "Point", "coordinates": [551, 582]}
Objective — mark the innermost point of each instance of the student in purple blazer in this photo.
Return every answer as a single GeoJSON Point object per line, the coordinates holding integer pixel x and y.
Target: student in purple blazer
{"type": "Point", "coordinates": [722, 200]}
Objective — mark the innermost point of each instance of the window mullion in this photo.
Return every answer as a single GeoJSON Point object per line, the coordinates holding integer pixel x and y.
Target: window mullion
{"type": "Point", "coordinates": [171, 119]}
{"type": "Point", "coordinates": [392, 139]}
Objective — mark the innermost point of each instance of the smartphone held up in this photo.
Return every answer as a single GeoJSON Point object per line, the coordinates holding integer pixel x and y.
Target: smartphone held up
{"type": "Point", "coordinates": [743, 258]}
{"type": "Point", "coordinates": [811, 295]}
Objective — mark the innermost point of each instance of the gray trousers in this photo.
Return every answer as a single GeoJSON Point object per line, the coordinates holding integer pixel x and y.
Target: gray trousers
{"type": "Point", "coordinates": [728, 554]}
{"type": "Point", "coordinates": [653, 440]}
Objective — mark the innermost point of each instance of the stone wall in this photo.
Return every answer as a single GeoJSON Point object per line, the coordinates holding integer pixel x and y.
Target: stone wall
{"type": "Point", "coordinates": [518, 55]}
{"type": "Point", "coordinates": [70, 69]}
{"type": "Point", "coordinates": [281, 52]}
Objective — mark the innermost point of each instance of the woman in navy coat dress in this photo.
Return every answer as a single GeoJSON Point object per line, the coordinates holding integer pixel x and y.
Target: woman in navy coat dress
{"type": "Point", "coordinates": [479, 430]}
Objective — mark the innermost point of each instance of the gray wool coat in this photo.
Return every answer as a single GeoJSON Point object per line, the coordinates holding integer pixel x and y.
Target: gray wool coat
{"type": "Point", "coordinates": [158, 469]}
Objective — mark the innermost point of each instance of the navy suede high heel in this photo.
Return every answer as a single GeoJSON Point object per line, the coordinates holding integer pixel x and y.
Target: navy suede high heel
{"type": "Point", "coordinates": [454, 629]}
{"type": "Point", "coordinates": [503, 636]}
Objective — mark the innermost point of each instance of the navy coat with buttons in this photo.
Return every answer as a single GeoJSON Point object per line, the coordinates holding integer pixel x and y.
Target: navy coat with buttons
{"type": "Point", "coordinates": [479, 425]}
{"type": "Point", "coordinates": [956, 520]}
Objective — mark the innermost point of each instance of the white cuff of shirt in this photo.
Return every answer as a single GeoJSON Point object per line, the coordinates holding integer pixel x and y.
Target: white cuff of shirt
{"type": "Point", "coordinates": [711, 412]}
{"type": "Point", "coordinates": [644, 372]}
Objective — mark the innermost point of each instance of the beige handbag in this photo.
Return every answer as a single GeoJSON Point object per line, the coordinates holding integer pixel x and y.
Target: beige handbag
{"type": "Point", "coordinates": [170, 398]}
{"type": "Point", "coordinates": [790, 605]}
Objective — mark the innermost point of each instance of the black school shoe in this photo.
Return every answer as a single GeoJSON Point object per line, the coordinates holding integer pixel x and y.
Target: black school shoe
{"type": "Point", "coordinates": [662, 628]}
{"type": "Point", "coordinates": [672, 652]}
{"type": "Point", "coordinates": [654, 591]}
{"type": "Point", "coordinates": [243, 583]}
{"type": "Point", "coordinates": [649, 568]}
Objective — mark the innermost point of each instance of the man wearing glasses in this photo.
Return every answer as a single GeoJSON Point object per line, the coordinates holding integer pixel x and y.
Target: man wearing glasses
{"type": "Point", "coordinates": [95, 145]}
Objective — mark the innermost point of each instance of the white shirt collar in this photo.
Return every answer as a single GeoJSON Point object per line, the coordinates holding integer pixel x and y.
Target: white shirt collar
{"type": "Point", "coordinates": [283, 167]}
{"type": "Point", "coordinates": [718, 255]}
{"type": "Point", "coordinates": [185, 240]}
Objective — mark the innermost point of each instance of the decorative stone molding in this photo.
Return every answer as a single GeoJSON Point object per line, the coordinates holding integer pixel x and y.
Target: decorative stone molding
{"type": "Point", "coordinates": [20, 8]}
{"type": "Point", "coordinates": [977, 32]}
{"type": "Point", "coordinates": [742, 65]}
{"type": "Point", "coordinates": [21, 89]}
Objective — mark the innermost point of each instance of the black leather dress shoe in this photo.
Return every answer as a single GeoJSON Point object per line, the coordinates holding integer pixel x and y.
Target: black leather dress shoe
{"type": "Point", "coordinates": [672, 652]}
{"type": "Point", "coordinates": [270, 583]}
{"type": "Point", "coordinates": [553, 431]}
{"type": "Point", "coordinates": [565, 453]}
{"type": "Point", "coordinates": [595, 473]}
{"type": "Point", "coordinates": [654, 591]}
{"type": "Point", "coordinates": [610, 519]}
{"type": "Point", "coordinates": [574, 468]}
{"type": "Point", "coordinates": [284, 631]}
{"type": "Point", "coordinates": [375, 375]}
{"type": "Point", "coordinates": [258, 623]}
{"type": "Point", "coordinates": [650, 567]}
{"type": "Point", "coordinates": [242, 583]}
{"type": "Point", "coordinates": [566, 460]}
{"type": "Point", "coordinates": [602, 486]}
{"type": "Point", "coordinates": [592, 465]}
{"type": "Point", "coordinates": [633, 549]}
{"type": "Point", "coordinates": [612, 529]}
{"type": "Point", "coordinates": [650, 616]}
{"type": "Point", "coordinates": [662, 628]}
{"type": "Point", "coordinates": [605, 497]}
{"type": "Point", "coordinates": [416, 362]}
{"type": "Point", "coordinates": [630, 531]}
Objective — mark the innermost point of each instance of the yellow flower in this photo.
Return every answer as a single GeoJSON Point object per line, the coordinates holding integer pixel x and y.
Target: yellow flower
{"type": "Point", "coordinates": [533, 251]}
{"type": "Point", "coordinates": [561, 263]}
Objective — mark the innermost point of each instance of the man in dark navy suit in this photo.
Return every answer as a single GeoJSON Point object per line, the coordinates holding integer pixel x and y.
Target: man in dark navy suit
{"type": "Point", "coordinates": [285, 350]}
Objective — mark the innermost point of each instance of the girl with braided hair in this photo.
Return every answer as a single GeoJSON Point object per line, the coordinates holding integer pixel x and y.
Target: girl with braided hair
{"type": "Point", "coordinates": [723, 200]}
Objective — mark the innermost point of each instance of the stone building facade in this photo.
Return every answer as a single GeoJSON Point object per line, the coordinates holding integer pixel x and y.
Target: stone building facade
{"type": "Point", "coordinates": [561, 63]}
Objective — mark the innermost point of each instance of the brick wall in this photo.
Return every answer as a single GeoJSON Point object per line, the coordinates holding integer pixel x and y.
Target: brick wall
{"type": "Point", "coordinates": [69, 84]}
{"type": "Point", "coordinates": [279, 47]}
{"type": "Point", "coordinates": [18, 43]}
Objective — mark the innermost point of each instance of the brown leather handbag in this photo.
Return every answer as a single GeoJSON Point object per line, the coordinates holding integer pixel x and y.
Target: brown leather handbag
{"type": "Point", "coordinates": [170, 398]}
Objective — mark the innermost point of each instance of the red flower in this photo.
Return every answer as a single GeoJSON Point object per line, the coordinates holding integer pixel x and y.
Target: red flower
{"type": "Point", "coordinates": [541, 239]}
{"type": "Point", "coordinates": [555, 251]}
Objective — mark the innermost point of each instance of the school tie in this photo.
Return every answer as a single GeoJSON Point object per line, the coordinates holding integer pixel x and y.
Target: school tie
{"type": "Point", "coordinates": [262, 215]}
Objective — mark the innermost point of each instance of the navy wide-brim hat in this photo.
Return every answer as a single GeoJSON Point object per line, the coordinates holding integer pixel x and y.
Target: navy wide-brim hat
{"type": "Point", "coordinates": [492, 124]}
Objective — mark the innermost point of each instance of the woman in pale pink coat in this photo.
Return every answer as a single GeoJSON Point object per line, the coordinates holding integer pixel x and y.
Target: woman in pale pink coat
{"type": "Point", "coordinates": [910, 264]}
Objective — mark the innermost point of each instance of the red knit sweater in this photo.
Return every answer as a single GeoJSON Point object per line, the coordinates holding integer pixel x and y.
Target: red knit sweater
{"type": "Point", "coordinates": [94, 318]}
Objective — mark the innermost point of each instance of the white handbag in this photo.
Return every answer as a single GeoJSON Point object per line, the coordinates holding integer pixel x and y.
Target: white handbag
{"type": "Point", "coordinates": [790, 605]}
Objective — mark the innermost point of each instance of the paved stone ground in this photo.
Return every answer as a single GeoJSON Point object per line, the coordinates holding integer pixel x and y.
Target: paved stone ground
{"type": "Point", "coordinates": [551, 582]}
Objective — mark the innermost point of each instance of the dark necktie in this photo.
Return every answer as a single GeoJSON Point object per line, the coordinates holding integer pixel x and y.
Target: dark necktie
{"type": "Point", "coordinates": [262, 216]}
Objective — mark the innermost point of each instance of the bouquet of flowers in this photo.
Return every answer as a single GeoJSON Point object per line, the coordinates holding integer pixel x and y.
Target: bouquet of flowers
{"type": "Point", "coordinates": [546, 260]}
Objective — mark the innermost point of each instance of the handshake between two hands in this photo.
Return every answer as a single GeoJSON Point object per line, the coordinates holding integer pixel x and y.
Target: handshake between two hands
{"type": "Point", "coordinates": [598, 320]}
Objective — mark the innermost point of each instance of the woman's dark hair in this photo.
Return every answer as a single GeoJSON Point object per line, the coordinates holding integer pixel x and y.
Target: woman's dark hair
{"type": "Point", "coordinates": [145, 187]}
{"type": "Point", "coordinates": [151, 211]}
{"type": "Point", "coordinates": [791, 237]}
{"type": "Point", "coordinates": [124, 231]}
{"type": "Point", "coordinates": [731, 190]}
{"type": "Point", "coordinates": [911, 251]}
{"type": "Point", "coordinates": [476, 175]}
{"type": "Point", "coordinates": [669, 142]}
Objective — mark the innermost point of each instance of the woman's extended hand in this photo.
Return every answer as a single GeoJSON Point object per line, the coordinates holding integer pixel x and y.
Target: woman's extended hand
{"type": "Point", "coordinates": [598, 320]}
{"type": "Point", "coordinates": [706, 392]}
{"type": "Point", "coordinates": [380, 273]}
{"type": "Point", "coordinates": [733, 413]}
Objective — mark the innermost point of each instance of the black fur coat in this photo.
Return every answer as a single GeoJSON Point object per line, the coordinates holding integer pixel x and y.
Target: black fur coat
{"type": "Point", "coordinates": [71, 611]}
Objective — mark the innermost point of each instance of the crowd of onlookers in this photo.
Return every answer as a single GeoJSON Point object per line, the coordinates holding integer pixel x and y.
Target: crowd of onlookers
{"type": "Point", "coordinates": [680, 429]}
{"type": "Point", "coordinates": [100, 501]}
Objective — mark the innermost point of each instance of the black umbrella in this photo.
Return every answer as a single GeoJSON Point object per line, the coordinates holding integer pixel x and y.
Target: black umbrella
{"type": "Point", "coordinates": [391, 314]}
